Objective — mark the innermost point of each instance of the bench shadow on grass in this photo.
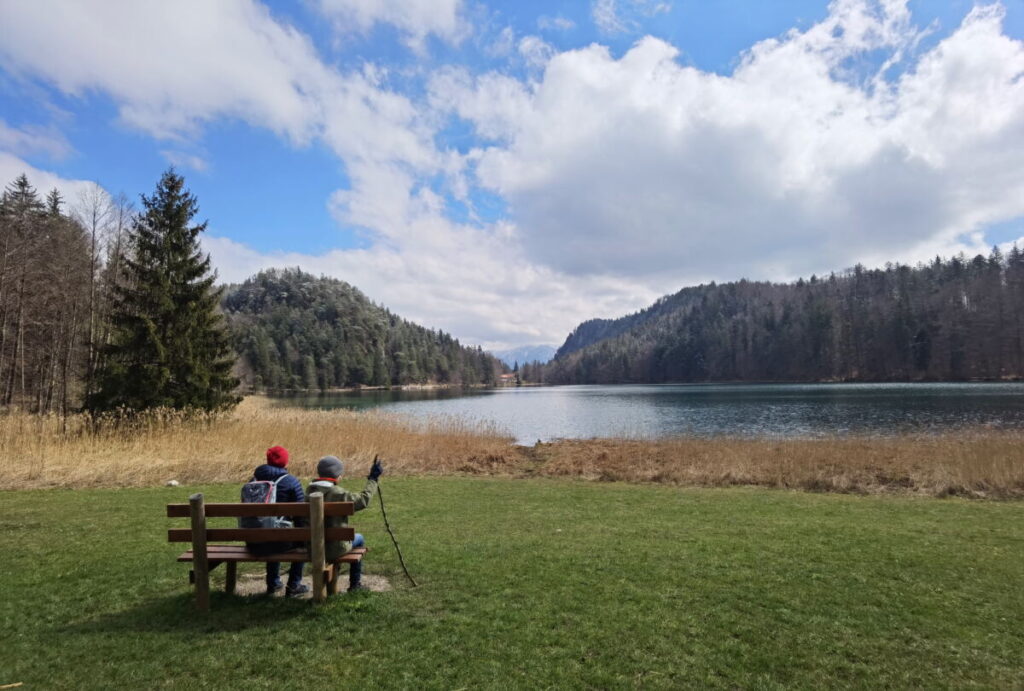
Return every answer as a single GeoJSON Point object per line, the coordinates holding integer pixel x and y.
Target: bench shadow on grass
{"type": "Point", "coordinates": [178, 613]}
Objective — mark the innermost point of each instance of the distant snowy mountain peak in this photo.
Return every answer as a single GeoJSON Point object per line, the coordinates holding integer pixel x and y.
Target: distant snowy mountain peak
{"type": "Point", "coordinates": [524, 354]}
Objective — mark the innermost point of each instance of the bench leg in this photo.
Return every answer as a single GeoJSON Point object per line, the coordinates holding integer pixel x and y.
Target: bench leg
{"type": "Point", "coordinates": [317, 561]}
{"type": "Point", "coordinates": [200, 566]}
{"type": "Point", "coordinates": [332, 581]}
{"type": "Point", "coordinates": [231, 577]}
{"type": "Point", "coordinates": [210, 566]}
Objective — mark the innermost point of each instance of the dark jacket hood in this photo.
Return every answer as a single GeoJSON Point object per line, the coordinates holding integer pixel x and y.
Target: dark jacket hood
{"type": "Point", "coordinates": [269, 472]}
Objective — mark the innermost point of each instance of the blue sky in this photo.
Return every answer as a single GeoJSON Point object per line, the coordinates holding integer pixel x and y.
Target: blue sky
{"type": "Point", "coordinates": [504, 170]}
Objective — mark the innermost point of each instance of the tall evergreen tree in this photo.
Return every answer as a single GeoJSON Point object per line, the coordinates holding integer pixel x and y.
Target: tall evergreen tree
{"type": "Point", "coordinates": [170, 347]}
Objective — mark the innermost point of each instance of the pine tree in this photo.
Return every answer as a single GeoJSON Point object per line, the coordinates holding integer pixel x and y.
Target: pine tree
{"type": "Point", "coordinates": [169, 346]}
{"type": "Point", "coordinates": [21, 216]}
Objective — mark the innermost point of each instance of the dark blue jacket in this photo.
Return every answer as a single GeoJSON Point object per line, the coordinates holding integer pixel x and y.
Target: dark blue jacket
{"type": "Point", "coordinates": [289, 489]}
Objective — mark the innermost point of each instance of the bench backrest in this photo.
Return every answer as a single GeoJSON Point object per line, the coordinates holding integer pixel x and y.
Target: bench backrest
{"type": "Point", "coordinates": [290, 509]}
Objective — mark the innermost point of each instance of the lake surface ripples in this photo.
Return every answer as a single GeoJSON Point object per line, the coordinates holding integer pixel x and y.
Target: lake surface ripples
{"type": "Point", "coordinates": [743, 410]}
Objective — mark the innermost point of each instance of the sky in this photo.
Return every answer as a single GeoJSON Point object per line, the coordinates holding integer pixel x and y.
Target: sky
{"type": "Point", "coordinates": [505, 170]}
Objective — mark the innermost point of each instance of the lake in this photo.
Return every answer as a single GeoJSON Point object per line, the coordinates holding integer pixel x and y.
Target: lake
{"type": "Point", "coordinates": [747, 410]}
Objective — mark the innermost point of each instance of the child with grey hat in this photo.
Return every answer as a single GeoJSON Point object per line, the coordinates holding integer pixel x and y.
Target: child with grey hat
{"type": "Point", "coordinates": [328, 470]}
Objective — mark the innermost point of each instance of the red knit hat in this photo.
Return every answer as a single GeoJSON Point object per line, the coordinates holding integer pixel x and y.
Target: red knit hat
{"type": "Point", "coordinates": [277, 455]}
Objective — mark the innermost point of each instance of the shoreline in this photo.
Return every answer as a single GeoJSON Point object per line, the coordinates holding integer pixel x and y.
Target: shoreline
{"type": "Point", "coordinates": [979, 463]}
{"type": "Point", "coordinates": [727, 382]}
{"type": "Point", "coordinates": [283, 393]}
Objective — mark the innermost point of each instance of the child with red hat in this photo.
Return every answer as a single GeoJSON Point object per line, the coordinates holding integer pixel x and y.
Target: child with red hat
{"type": "Point", "coordinates": [288, 489]}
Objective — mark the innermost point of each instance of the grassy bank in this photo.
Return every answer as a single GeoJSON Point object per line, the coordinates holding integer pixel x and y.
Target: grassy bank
{"type": "Point", "coordinates": [537, 583]}
{"type": "Point", "coordinates": [49, 452]}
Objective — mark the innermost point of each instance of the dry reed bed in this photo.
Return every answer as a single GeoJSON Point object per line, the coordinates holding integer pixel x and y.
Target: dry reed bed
{"type": "Point", "coordinates": [48, 452]}
{"type": "Point", "coordinates": [44, 452]}
{"type": "Point", "coordinates": [974, 463]}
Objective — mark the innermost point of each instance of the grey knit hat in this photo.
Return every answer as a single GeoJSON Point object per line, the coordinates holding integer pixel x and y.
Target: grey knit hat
{"type": "Point", "coordinates": [330, 466]}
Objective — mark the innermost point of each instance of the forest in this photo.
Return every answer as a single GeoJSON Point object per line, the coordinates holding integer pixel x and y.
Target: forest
{"type": "Point", "coordinates": [56, 267]}
{"type": "Point", "coordinates": [65, 269]}
{"type": "Point", "coordinates": [950, 319]}
{"type": "Point", "coordinates": [294, 331]}
{"type": "Point", "coordinates": [108, 307]}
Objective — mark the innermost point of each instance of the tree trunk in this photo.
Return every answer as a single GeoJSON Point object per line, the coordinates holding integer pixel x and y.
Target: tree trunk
{"type": "Point", "coordinates": [64, 404]}
{"type": "Point", "coordinates": [18, 329]}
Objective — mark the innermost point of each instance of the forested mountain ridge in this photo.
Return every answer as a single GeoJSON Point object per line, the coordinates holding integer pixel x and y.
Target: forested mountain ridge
{"type": "Point", "coordinates": [594, 330]}
{"type": "Point", "coordinates": [293, 330]}
{"type": "Point", "coordinates": [950, 319]}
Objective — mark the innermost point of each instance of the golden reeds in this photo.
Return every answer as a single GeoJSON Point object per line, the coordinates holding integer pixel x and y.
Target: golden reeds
{"type": "Point", "coordinates": [45, 451]}
{"type": "Point", "coordinates": [52, 452]}
{"type": "Point", "coordinates": [970, 463]}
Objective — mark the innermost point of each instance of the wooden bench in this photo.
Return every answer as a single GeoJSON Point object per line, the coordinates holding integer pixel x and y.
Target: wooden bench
{"type": "Point", "coordinates": [206, 557]}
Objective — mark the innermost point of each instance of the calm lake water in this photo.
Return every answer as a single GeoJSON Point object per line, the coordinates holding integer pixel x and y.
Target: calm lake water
{"type": "Point", "coordinates": [749, 410]}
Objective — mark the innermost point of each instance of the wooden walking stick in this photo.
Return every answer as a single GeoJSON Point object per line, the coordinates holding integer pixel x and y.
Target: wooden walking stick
{"type": "Point", "coordinates": [387, 525]}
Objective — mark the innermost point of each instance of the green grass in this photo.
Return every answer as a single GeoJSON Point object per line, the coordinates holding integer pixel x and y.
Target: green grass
{"type": "Point", "coordinates": [536, 583]}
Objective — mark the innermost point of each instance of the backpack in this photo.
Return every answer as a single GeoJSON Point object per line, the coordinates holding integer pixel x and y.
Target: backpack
{"type": "Point", "coordinates": [262, 492]}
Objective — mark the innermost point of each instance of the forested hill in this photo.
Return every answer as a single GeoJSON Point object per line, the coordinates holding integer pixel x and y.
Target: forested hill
{"type": "Point", "coordinates": [295, 331]}
{"type": "Point", "coordinates": [594, 330]}
{"type": "Point", "coordinates": [948, 320]}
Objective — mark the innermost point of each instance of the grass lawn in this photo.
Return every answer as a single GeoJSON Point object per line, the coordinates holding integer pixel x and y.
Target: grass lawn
{"type": "Point", "coordinates": [535, 583]}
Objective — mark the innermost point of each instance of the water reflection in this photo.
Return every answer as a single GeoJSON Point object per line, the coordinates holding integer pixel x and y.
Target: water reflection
{"type": "Point", "coordinates": [747, 410]}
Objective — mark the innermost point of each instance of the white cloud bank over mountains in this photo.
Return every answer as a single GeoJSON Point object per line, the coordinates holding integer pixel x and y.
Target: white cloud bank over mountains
{"type": "Point", "coordinates": [626, 177]}
{"type": "Point", "coordinates": [638, 165]}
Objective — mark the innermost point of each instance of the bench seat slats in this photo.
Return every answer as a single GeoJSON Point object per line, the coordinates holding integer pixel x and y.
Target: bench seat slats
{"type": "Point", "coordinates": [261, 534]}
{"type": "Point", "coordinates": [288, 508]}
{"type": "Point", "coordinates": [238, 553]}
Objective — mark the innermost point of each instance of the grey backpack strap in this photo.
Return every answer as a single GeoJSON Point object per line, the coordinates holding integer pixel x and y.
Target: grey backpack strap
{"type": "Point", "coordinates": [281, 521]}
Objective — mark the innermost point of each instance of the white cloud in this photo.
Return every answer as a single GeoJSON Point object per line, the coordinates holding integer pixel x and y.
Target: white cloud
{"type": "Point", "coordinates": [1006, 247]}
{"type": "Point", "coordinates": [182, 159]}
{"type": "Point", "coordinates": [535, 51]}
{"type": "Point", "coordinates": [502, 46]}
{"type": "Point", "coordinates": [496, 104]}
{"type": "Point", "coordinates": [801, 161]}
{"type": "Point", "coordinates": [606, 16]}
{"type": "Point", "coordinates": [621, 16]}
{"type": "Point", "coordinates": [415, 19]}
{"type": "Point", "coordinates": [625, 177]}
{"type": "Point", "coordinates": [226, 59]}
{"type": "Point", "coordinates": [33, 139]}
{"type": "Point", "coordinates": [546, 23]}
{"type": "Point", "coordinates": [71, 190]}
{"type": "Point", "coordinates": [472, 281]}
{"type": "Point", "coordinates": [171, 66]}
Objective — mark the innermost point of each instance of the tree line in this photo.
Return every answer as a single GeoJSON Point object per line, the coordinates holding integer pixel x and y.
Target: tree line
{"type": "Point", "coordinates": [106, 307]}
{"type": "Point", "coordinates": [295, 331]}
{"type": "Point", "coordinates": [52, 293]}
{"type": "Point", "coordinates": [950, 319]}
